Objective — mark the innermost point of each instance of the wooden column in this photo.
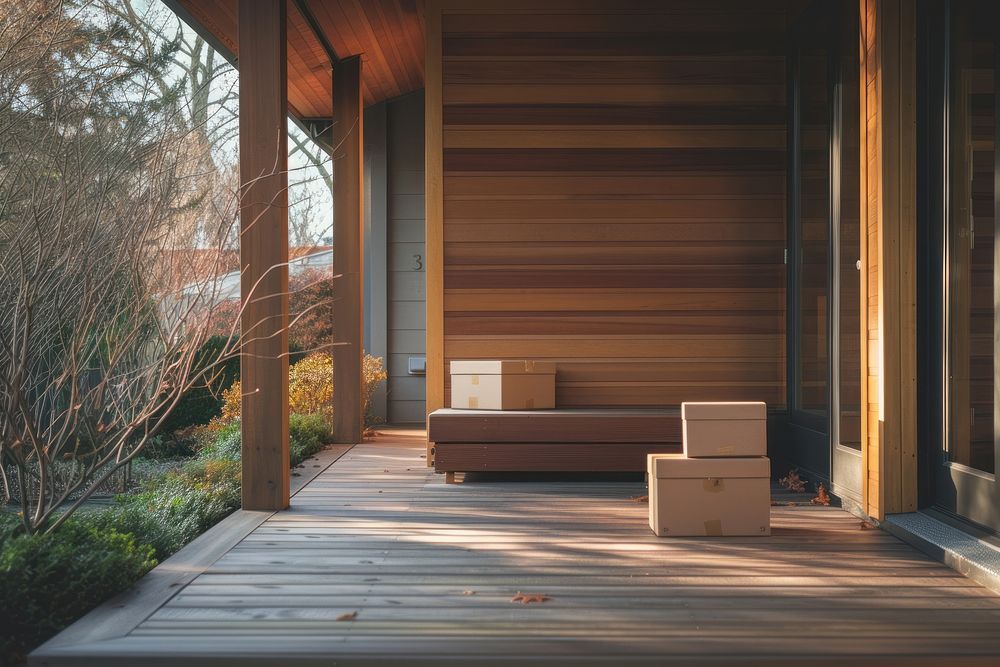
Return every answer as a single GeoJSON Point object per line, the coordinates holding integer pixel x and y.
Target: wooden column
{"type": "Point", "coordinates": [264, 253]}
{"type": "Point", "coordinates": [434, 212]}
{"type": "Point", "coordinates": [348, 250]}
{"type": "Point", "coordinates": [888, 100]}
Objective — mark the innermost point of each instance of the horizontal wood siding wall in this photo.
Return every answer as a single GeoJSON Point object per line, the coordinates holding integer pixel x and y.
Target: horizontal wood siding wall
{"type": "Point", "coordinates": [614, 195]}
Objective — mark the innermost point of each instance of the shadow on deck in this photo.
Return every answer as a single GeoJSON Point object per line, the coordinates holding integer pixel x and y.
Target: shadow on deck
{"type": "Point", "coordinates": [379, 562]}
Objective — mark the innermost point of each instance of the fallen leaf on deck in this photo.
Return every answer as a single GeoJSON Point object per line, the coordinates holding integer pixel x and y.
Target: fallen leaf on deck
{"type": "Point", "coordinates": [348, 617]}
{"type": "Point", "coordinates": [793, 482]}
{"type": "Point", "coordinates": [865, 525]}
{"type": "Point", "coordinates": [528, 598]}
{"type": "Point", "coordinates": [468, 592]}
{"type": "Point", "coordinates": [639, 499]}
{"type": "Point", "coordinates": [822, 498]}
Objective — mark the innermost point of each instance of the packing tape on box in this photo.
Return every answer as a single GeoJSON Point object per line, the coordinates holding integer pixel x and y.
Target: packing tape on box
{"type": "Point", "coordinates": [713, 485]}
{"type": "Point", "coordinates": [473, 402]}
{"type": "Point", "coordinates": [726, 451]}
{"type": "Point", "coordinates": [474, 379]}
{"type": "Point", "coordinates": [713, 527]}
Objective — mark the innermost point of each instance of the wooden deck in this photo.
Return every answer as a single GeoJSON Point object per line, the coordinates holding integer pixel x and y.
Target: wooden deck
{"type": "Point", "coordinates": [430, 570]}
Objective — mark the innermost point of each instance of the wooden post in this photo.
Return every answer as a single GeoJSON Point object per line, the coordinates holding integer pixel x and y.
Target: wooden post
{"type": "Point", "coordinates": [434, 213]}
{"type": "Point", "coordinates": [348, 250]}
{"type": "Point", "coordinates": [264, 253]}
{"type": "Point", "coordinates": [887, 87]}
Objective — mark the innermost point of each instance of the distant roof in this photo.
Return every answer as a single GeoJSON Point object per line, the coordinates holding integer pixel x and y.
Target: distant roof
{"type": "Point", "coordinates": [196, 265]}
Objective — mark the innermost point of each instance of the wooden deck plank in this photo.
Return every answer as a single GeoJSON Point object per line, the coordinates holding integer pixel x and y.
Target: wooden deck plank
{"type": "Point", "coordinates": [431, 569]}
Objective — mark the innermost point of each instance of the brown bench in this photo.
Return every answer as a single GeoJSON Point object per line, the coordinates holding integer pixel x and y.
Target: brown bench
{"type": "Point", "coordinates": [563, 440]}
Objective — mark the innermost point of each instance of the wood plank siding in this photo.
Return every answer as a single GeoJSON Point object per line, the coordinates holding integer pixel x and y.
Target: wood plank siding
{"type": "Point", "coordinates": [612, 196]}
{"type": "Point", "coordinates": [387, 34]}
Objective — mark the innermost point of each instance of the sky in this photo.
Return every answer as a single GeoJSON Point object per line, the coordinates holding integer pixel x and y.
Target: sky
{"type": "Point", "coordinates": [309, 195]}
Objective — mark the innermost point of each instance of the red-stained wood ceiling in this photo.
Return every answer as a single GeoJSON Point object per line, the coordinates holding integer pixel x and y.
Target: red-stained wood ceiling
{"type": "Point", "coordinates": [387, 34]}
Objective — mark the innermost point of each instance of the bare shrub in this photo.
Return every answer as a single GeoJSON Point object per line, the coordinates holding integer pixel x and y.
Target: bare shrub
{"type": "Point", "coordinates": [104, 300]}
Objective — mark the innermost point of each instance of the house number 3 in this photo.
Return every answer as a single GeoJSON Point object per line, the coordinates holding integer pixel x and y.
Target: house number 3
{"type": "Point", "coordinates": [418, 263]}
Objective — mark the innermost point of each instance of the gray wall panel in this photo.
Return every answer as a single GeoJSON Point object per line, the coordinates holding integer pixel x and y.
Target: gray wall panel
{"type": "Point", "coordinates": [376, 250]}
{"type": "Point", "coordinates": [408, 412]}
{"type": "Point", "coordinates": [405, 256]}
{"type": "Point", "coordinates": [404, 287]}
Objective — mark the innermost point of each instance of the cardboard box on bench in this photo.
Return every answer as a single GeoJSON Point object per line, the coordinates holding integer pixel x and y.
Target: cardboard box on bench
{"type": "Point", "coordinates": [724, 429]}
{"type": "Point", "coordinates": [709, 497]}
{"type": "Point", "coordinates": [503, 385]}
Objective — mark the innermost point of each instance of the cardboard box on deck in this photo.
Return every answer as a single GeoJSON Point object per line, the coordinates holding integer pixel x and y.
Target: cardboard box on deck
{"type": "Point", "coordinates": [503, 385]}
{"type": "Point", "coordinates": [724, 429]}
{"type": "Point", "coordinates": [709, 497]}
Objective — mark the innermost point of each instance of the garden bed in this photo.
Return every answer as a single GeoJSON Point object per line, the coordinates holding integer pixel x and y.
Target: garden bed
{"type": "Point", "coordinates": [48, 580]}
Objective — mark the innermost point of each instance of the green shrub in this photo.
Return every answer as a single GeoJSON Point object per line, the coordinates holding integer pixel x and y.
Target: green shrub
{"type": "Point", "coordinates": [307, 434]}
{"type": "Point", "coordinates": [177, 444]}
{"type": "Point", "coordinates": [165, 447]}
{"type": "Point", "coordinates": [171, 511]}
{"type": "Point", "coordinates": [199, 405]}
{"type": "Point", "coordinates": [47, 581]}
{"type": "Point", "coordinates": [227, 444]}
{"type": "Point", "coordinates": [10, 525]}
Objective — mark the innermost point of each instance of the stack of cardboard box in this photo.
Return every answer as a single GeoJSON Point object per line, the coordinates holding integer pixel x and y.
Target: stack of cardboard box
{"type": "Point", "coordinates": [720, 485]}
{"type": "Point", "coordinates": [503, 385]}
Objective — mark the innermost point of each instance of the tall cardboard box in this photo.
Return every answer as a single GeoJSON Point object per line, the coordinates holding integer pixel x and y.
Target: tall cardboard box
{"type": "Point", "coordinates": [714, 497]}
{"type": "Point", "coordinates": [724, 429]}
{"type": "Point", "coordinates": [503, 385]}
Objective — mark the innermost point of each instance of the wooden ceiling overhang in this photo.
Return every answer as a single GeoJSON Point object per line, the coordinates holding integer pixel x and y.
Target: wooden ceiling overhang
{"type": "Point", "coordinates": [387, 34]}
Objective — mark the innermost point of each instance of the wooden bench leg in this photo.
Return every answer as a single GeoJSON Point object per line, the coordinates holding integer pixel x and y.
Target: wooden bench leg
{"type": "Point", "coordinates": [449, 478]}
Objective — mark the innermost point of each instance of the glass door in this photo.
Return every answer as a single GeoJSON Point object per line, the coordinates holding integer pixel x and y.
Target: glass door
{"type": "Point", "coordinates": [809, 279]}
{"type": "Point", "coordinates": [824, 240]}
{"type": "Point", "coordinates": [965, 479]}
{"type": "Point", "coordinates": [845, 249]}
